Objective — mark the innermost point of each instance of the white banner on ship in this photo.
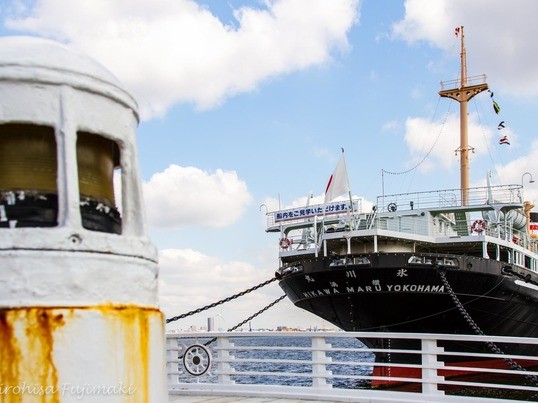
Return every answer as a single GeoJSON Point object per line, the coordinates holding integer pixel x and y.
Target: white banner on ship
{"type": "Point", "coordinates": [299, 213]}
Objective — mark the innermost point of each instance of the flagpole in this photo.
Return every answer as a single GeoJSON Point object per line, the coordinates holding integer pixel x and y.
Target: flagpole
{"type": "Point", "coordinates": [352, 209]}
{"type": "Point", "coordinates": [383, 189]}
{"type": "Point", "coordinates": [338, 185]}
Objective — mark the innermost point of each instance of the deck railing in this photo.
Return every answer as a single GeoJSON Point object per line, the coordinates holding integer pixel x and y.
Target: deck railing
{"type": "Point", "coordinates": [448, 198]}
{"type": "Point", "coordinates": [336, 366]}
{"type": "Point", "coordinates": [439, 199]}
{"type": "Point", "coordinates": [304, 240]}
{"type": "Point", "coordinates": [470, 81]}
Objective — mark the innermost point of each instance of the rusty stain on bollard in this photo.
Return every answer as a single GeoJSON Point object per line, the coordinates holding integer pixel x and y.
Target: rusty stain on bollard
{"type": "Point", "coordinates": [132, 324]}
{"type": "Point", "coordinates": [27, 347]}
{"type": "Point", "coordinates": [26, 351]}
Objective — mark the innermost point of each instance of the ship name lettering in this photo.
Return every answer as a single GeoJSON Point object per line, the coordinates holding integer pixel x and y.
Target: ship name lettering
{"type": "Point", "coordinates": [390, 287]}
{"type": "Point", "coordinates": [415, 288]}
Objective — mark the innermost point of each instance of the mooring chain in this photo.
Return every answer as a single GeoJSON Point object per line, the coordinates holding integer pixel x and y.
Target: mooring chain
{"type": "Point", "coordinates": [265, 308]}
{"type": "Point", "coordinates": [493, 347]}
{"type": "Point", "coordinates": [222, 301]}
{"type": "Point", "coordinates": [526, 278]}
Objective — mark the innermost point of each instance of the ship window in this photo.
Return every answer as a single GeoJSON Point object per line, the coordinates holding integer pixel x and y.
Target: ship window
{"type": "Point", "coordinates": [447, 262]}
{"type": "Point", "coordinates": [28, 176]}
{"type": "Point", "coordinates": [337, 262]}
{"type": "Point", "coordinates": [426, 260]}
{"type": "Point", "coordinates": [98, 163]}
{"type": "Point", "coordinates": [361, 261]}
{"type": "Point", "coordinates": [415, 260]}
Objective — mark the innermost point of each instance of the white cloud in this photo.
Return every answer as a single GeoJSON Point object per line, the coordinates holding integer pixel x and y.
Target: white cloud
{"type": "Point", "coordinates": [174, 51]}
{"type": "Point", "coordinates": [511, 173]}
{"type": "Point", "coordinates": [438, 141]}
{"type": "Point", "coordinates": [499, 38]}
{"type": "Point", "coordinates": [180, 196]}
{"type": "Point", "coordinates": [425, 20]}
{"type": "Point", "coordinates": [390, 126]}
{"type": "Point", "coordinates": [190, 280]}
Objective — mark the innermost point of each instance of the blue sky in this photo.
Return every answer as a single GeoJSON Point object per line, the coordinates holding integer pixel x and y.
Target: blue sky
{"type": "Point", "coordinates": [246, 102]}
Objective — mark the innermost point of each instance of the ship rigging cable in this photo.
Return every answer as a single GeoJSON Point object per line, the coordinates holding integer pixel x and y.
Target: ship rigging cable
{"type": "Point", "coordinates": [488, 148]}
{"type": "Point", "coordinates": [431, 148]}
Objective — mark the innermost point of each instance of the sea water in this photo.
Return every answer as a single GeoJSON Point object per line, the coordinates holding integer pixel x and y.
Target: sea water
{"type": "Point", "coordinates": [291, 354]}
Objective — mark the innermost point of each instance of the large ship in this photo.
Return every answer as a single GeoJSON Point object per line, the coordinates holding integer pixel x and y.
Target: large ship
{"type": "Point", "coordinates": [454, 261]}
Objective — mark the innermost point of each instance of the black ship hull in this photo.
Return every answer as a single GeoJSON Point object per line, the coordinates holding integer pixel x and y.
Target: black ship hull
{"type": "Point", "coordinates": [389, 294]}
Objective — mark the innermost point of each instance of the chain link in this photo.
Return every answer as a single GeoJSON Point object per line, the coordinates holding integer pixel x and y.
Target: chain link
{"type": "Point", "coordinates": [230, 298]}
{"type": "Point", "coordinates": [492, 346]}
{"type": "Point", "coordinates": [222, 301]}
{"type": "Point", "coordinates": [265, 308]}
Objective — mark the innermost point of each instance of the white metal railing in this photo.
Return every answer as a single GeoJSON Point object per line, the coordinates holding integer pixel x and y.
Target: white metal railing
{"type": "Point", "coordinates": [305, 240]}
{"type": "Point", "coordinates": [450, 198]}
{"type": "Point", "coordinates": [470, 81]}
{"type": "Point", "coordinates": [440, 199]}
{"type": "Point", "coordinates": [336, 366]}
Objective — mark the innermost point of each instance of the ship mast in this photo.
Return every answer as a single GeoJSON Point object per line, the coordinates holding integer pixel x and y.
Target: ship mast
{"type": "Point", "coordinates": [463, 90]}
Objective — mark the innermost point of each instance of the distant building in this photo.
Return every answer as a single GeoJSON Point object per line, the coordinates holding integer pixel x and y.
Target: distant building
{"type": "Point", "coordinates": [211, 324]}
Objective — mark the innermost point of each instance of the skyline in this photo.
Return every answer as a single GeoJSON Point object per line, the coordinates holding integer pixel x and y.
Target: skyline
{"type": "Point", "coordinates": [245, 106]}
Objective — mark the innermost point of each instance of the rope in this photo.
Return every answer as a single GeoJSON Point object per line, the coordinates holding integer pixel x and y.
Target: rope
{"type": "Point", "coordinates": [222, 301]}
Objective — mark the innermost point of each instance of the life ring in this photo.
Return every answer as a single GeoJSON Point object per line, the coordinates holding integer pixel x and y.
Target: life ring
{"type": "Point", "coordinates": [392, 207]}
{"type": "Point", "coordinates": [478, 226]}
{"type": "Point", "coordinates": [284, 243]}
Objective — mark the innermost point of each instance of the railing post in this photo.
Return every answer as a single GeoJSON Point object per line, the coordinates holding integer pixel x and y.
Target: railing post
{"type": "Point", "coordinates": [223, 360]}
{"type": "Point", "coordinates": [172, 362]}
{"type": "Point", "coordinates": [320, 359]}
{"type": "Point", "coordinates": [430, 364]}
{"type": "Point", "coordinates": [485, 254]}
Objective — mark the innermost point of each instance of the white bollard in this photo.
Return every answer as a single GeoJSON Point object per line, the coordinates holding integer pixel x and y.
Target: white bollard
{"type": "Point", "coordinates": [79, 316]}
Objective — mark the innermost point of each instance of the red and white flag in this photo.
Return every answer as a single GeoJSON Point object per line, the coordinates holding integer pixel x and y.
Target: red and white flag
{"type": "Point", "coordinates": [338, 182]}
{"type": "Point", "coordinates": [457, 31]}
